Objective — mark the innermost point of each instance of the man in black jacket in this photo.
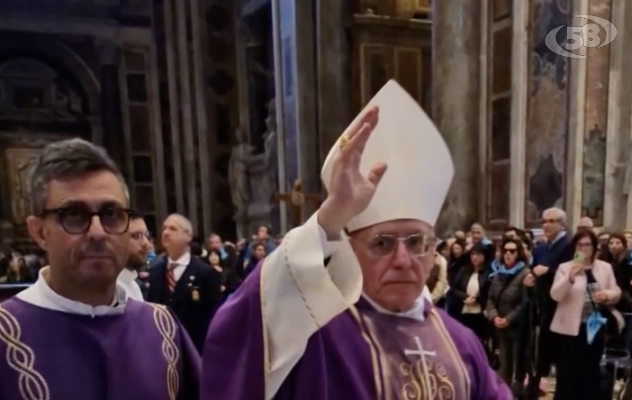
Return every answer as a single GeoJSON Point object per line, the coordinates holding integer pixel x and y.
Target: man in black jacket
{"type": "Point", "coordinates": [186, 284]}
{"type": "Point", "coordinates": [546, 259]}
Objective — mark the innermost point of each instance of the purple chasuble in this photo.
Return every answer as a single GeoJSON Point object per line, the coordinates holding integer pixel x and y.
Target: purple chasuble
{"type": "Point", "coordinates": [359, 355]}
{"type": "Point", "coordinates": [142, 353]}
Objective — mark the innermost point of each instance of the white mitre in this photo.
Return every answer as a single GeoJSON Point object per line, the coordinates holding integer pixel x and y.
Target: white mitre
{"type": "Point", "coordinates": [419, 174]}
{"type": "Point", "coordinates": [420, 167]}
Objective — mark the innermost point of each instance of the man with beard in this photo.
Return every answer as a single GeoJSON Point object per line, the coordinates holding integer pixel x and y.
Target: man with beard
{"type": "Point", "coordinates": [138, 248]}
{"type": "Point", "coordinates": [74, 334]}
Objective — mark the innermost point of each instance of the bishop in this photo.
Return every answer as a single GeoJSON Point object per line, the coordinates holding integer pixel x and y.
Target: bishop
{"type": "Point", "coordinates": [334, 312]}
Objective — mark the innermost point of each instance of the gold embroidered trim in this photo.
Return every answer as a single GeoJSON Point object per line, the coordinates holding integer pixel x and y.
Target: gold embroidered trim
{"type": "Point", "coordinates": [167, 327]}
{"type": "Point", "coordinates": [290, 270]}
{"type": "Point", "coordinates": [264, 327]}
{"type": "Point", "coordinates": [21, 359]}
{"type": "Point", "coordinates": [447, 338]}
{"type": "Point", "coordinates": [375, 362]}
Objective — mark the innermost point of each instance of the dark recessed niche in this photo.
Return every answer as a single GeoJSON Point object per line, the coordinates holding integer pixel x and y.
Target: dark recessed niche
{"type": "Point", "coordinates": [145, 199]}
{"type": "Point", "coordinates": [143, 172]}
{"type": "Point", "coordinates": [217, 18]}
{"type": "Point", "coordinates": [221, 82]}
{"type": "Point", "coordinates": [136, 88]}
{"type": "Point", "coordinates": [223, 129]}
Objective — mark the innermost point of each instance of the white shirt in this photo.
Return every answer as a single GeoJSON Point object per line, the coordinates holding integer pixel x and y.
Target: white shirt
{"type": "Point", "coordinates": [41, 295]}
{"type": "Point", "coordinates": [182, 264]}
{"type": "Point", "coordinates": [127, 280]}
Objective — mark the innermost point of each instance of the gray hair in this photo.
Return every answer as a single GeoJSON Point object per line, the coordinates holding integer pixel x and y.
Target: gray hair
{"type": "Point", "coordinates": [558, 214]}
{"type": "Point", "coordinates": [186, 224]}
{"type": "Point", "coordinates": [68, 159]}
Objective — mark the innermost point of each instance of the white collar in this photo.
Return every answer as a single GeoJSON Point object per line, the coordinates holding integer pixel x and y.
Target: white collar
{"type": "Point", "coordinates": [416, 312]}
{"type": "Point", "coordinates": [183, 261]}
{"type": "Point", "coordinates": [128, 275]}
{"type": "Point", "coordinates": [41, 295]}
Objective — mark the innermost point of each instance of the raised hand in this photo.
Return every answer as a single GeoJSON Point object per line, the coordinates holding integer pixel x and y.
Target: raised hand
{"type": "Point", "coordinates": [349, 191]}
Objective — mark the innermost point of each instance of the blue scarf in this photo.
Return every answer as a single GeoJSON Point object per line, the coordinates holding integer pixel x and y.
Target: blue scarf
{"type": "Point", "coordinates": [500, 269]}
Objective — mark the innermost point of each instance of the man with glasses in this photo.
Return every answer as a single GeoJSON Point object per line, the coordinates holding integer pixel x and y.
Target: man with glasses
{"type": "Point", "coordinates": [74, 334]}
{"type": "Point", "coordinates": [546, 259]}
{"type": "Point", "coordinates": [337, 312]}
{"type": "Point", "coordinates": [138, 247]}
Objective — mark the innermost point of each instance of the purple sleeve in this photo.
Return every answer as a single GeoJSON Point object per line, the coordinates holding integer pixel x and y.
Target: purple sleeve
{"type": "Point", "coordinates": [233, 365]}
{"type": "Point", "coordinates": [485, 383]}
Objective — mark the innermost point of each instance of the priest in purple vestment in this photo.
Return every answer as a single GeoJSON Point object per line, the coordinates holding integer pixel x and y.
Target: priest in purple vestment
{"type": "Point", "coordinates": [75, 334]}
{"type": "Point", "coordinates": [337, 311]}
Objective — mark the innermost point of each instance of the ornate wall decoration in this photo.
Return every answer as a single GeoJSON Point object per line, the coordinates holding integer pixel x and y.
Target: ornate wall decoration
{"type": "Point", "coordinates": [595, 121]}
{"type": "Point", "coordinates": [547, 124]}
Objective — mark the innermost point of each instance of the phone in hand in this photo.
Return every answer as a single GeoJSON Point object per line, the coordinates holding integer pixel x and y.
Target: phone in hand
{"type": "Point", "coordinates": [579, 258]}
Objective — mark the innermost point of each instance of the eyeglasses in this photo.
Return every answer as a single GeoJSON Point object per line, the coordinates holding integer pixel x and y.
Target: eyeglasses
{"type": "Point", "coordinates": [510, 251]}
{"type": "Point", "coordinates": [77, 219]}
{"type": "Point", "coordinates": [385, 245]}
{"type": "Point", "coordinates": [141, 235]}
{"type": "Point", "coordinates": [549, 221]}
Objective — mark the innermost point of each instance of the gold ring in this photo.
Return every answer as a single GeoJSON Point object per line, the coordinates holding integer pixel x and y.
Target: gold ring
{"type": "Point", "coordinates": [344, 140]}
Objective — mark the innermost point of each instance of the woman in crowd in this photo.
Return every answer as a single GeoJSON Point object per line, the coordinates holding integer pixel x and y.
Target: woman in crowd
{"type": "Point", "coordinates": [16, 270]}
{"type": "Point", "coordinates": [506, 305]}
{"type": "Point", "coordinates": [258, 252]}
{"type": "Point", "coordinates": [458, 258]}
{"type": "Point", "coordinates": [470, 289]}
{"type": "Point", "coordinates": [622, 266]}
{"type": "Point", "coordinates": [437, 281]}
{"type": "Point", "coordinates": [584, 289]}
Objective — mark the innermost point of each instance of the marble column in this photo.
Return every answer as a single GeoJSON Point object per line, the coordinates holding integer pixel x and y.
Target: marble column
{"type": "Point", "coordinates": [334, 71]}
{"type": "Point", "coordinates": [174, 109]}
{"type": "Point", "coordinates": [111, 111]}
{"type": "Point", "coordinates": [186, 106]}
{"type": "Point", "coordinates": [456, 47]}
{"type": "Point", "coordinates": [307, 116]}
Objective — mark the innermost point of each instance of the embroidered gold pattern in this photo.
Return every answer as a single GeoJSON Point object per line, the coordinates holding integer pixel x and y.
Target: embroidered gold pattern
{"type": "Point", "coordinates": [168, 328]}
{"type": "Point", "coordinates": [374, 353]}
{"type": "Point", "coordinates": [440, 387]}
{"type": "Point", "coordinates": [409, 380]}
{"type": "Point", "coordinates": [21, 359]}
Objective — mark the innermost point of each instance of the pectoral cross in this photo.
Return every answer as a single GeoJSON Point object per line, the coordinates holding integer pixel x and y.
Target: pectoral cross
{"type": "Point", "coordinates": [422, 354]}
{"type": "Point", "coordinates": [297, 200]}
{"type": "Point", "coordinates": [420, 350]}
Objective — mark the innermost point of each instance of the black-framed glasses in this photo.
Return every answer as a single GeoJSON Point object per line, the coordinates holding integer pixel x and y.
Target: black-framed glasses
{"type": "Point", "coordinates": [385, 245]}
{"type": "Point", "coordinates": [77, 219]}
{"type": "Point", "coordinates": [510, 251]}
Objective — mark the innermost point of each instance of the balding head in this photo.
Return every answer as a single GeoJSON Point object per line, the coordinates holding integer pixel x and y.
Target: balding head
{"type": "Point", "coordinates": [177, 232]}
{"type": "Point", "coordinates": [585, 223]}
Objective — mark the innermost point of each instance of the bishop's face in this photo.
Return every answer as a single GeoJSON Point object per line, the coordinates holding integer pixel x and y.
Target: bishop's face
{"type": "Point", "coordinates": [396, 258]}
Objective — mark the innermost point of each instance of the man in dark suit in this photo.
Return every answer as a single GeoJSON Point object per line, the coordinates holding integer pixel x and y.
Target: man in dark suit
{"type": "Point", "coordinates": [188, 285]}
{"type": "Point", "coordinates": [546, 259]}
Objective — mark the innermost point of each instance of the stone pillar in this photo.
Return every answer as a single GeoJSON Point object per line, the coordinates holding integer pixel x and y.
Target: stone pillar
{"type": "Point", "coordinates": [456, 46]}
{"type": "Point", "coordinates": [186, 106]}
{"type": "Point", "coordinates": [308, 139]}
{"type": "Point", "coordinates": [334, 71]}
{"type": "Point", "coordinates": [113, 139]}
{"type": "Point", "coordinates": [174, 109]}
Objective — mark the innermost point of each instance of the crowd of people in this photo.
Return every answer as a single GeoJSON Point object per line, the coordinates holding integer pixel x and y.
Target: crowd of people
{"type": "Point", "coordinates": [339, 310]}
{"type": "Point", "coordinates": [530, 300]}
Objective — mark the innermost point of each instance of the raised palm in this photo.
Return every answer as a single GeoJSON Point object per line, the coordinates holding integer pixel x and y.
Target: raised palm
{"type": "Point", "coordinates": [349, 190]}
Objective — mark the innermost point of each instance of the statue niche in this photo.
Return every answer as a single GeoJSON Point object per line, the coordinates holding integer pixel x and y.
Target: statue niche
{"type": "Point", "coordinates": [253, 177]}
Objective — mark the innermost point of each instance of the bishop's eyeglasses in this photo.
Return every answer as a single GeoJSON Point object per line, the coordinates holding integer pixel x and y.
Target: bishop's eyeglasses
{"type": "Point", "coordinates": [77, 219]}
{"type": "Point", "coordinates": [417, 244]}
